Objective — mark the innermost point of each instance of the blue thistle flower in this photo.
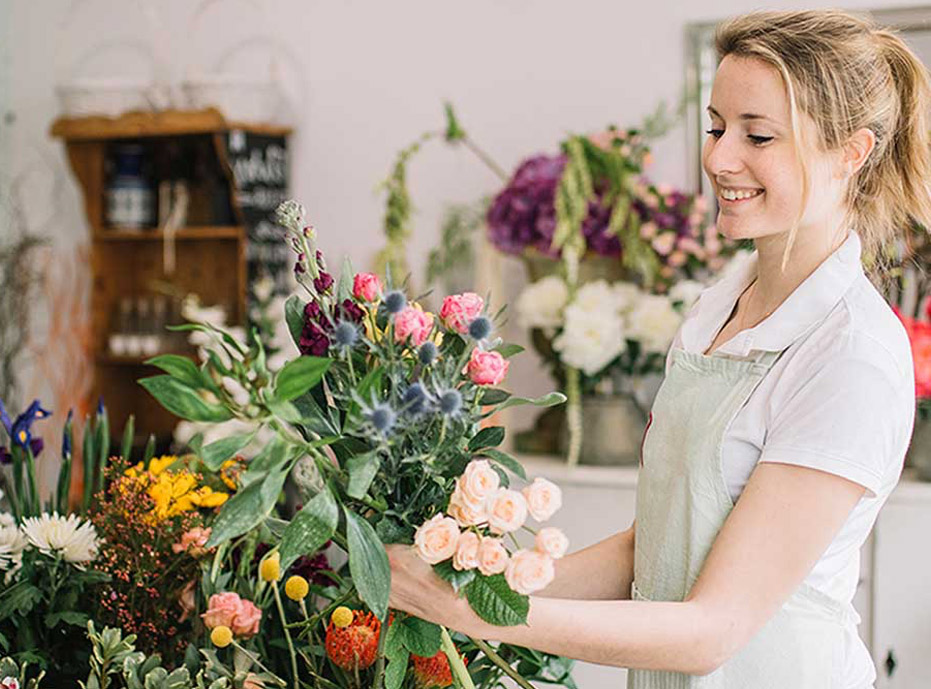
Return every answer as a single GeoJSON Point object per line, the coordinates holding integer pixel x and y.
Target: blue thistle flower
{"type": "Point", "coordinates": [480, 328]}
{"type": "Point", "coordinates": [345, 335]}
{"type": "Point", "coordinates": [395, 301]}
{"type": "Point", "coordinates": [450, 402]}
{"type": "Point", "coordinates": [414, 399]}
{"type": "Point", "coordinates": [382, 417]}
{"type": "Point", "coordinates": [427, 353]}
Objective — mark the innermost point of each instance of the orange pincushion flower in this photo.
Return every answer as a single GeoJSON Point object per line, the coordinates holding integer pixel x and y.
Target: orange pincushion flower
{"type": "Point", "coordinates": [433, 672]}
{"type": "Point", "coordinates": [355, 646]}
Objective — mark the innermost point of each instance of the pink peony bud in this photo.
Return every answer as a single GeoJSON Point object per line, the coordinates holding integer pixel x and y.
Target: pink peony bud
{"type": "Point", "coordinates": [366, 287]}
{"type": "Point", "coordinates": [487, 368]}
{"type": "Point", "coordinates": [459, 310]}
{"type": "Point", "coordinates": [413, 323]}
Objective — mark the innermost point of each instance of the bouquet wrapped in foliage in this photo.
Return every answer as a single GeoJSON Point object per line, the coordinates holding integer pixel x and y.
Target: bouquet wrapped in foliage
{"type": "Point", "coordinates": [393, 408]}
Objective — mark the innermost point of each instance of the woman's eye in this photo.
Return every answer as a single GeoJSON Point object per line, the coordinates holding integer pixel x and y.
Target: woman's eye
{"type": "Point", "coordinates": [716, 133]}
{"type": "Point", "coordinates": [759, 140]}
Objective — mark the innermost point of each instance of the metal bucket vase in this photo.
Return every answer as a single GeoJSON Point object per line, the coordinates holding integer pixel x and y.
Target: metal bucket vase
{"type": "Point", "coordinates": [592, 267]}
{"type": "Point", "coordinates": [612, 428]}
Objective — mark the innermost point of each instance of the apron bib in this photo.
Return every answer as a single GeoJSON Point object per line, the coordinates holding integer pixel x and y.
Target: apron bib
{"type": "Point", "coordinates": [682, 503]}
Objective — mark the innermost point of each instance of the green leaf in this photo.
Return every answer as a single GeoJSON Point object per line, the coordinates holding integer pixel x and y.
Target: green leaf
{"type": "Point", "coordinates": [300, 375]}
{"type": "Point", "coordinates": [180, 368]}
{"type": "Point", "coordinates": [491, 436]}
{"type": "Point", "coordinates": [368, 563]}
{"type": "Point", "coordinates": [77, 619]}
{"type": "Point", "coordinates": [508, 350]}
{"type": "Point", "coordinates": [182, 400]}
{"type": "Point", "coordinates": [549, 400]}
{"type": "Point", "coordinates": [344, 288]}
{"type": "Point", "coordinates": [456, 578]}
{"type": "Point", "coordinates": [495, 602]}
{"type": "Point", "coordinates": [271, 456]}
{"type": "Point", "coordinates": [313, 526]}
{"type": "Point", "coordinates": [494, 396]}
{"type": "Point", "coordinates": [294, 316]}
{"type": "Point", "coordinates": [397, 656]}
{"type": "Point", "coordinates": [214, 454]}
{"type": "Point", "coordinates": [420, 637]}
{"type": "Point", "coordinates": [505, 460]}
{"type": "Point", "coordinates": [247, 509]}
{"type": "Point", "coordinates": [20, 598]}
{"type": "Point", "coordinates": [362, 470]}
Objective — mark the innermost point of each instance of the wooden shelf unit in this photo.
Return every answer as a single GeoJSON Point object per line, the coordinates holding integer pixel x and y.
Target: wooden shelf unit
{"type": "Point", "coordinates": [210, 259]}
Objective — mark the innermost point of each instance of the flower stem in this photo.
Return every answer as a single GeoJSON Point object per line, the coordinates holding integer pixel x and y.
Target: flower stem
{"type": "Point", "coordinates": [287, 634]}
{"type": "Point", "coordinates": [255, 659]}
{"type": "Point", "coordinates": [501, 662]}
{"type": "Point", "coordinates": [380, 655]}
{"type": "Point", "coordinates": [461, 676]}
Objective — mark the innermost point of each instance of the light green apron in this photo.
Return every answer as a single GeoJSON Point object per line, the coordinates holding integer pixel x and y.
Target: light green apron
{"type": "Point", "coordinates": [682, 503]}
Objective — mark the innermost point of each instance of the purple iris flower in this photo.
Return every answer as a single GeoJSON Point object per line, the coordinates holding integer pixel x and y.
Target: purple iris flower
{"type": "Point", "coordinates": [21, 431]}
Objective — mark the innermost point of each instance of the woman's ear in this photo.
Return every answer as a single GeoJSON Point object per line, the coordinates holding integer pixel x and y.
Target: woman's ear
{"type": "Point", "coordinates": [856, 151]}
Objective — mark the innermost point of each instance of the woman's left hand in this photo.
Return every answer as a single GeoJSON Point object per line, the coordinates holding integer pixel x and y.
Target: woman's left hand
{"type": "Point", "coordinates": [417, 590]}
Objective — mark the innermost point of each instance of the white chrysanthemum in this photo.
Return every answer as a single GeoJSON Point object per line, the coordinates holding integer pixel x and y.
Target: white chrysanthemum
{"type": "Point", "coordinates": [541, 303]}
{"type": "Point", "coordinates": [653, 322]}
{"type": "Point", "coordinates": [626, 296]}
{"type": "Point", "coordinates": [75, 539]}
{"type": "Point", "coordinates": [12, 543]}
{"type": "Point", "coordinates": [590, 340]}
{"type": "Point", "coordinates": [686, 291]}
{"type": "Point", "coordinates": [596, 297]}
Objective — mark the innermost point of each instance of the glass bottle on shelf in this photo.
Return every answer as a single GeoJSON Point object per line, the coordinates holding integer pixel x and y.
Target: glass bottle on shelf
{"type": "Point", "coordinates": [117, 342]}
{"type": "Point", "coordinates": [130, 199]}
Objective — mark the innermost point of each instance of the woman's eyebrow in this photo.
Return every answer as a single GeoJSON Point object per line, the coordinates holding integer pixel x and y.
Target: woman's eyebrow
{"type": "Point", "coordinates": [743, 116]}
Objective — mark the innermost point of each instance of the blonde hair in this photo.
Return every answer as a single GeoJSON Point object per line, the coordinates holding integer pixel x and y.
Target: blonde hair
{"type": "Point", "coordinates": [846, 74]}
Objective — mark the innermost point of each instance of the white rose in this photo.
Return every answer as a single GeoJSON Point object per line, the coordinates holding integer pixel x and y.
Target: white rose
{"type": "Point", "coordinates": [590, 340]}
{"type": "Point", "coordinates": [466, 555]}
{"type": "Point", "coordinates": [543, 499]}
{"type": "Point", "coordinates": [507, 511]}
{"type": "Point", "coordinates": [529, 571]}
{"type": "Point", "coordinates": [437, 538]}
{"type": "Point", "coordinates": [626, 295]}
{"type": "Point", "coordinates": [492, 557]}
{"type": "Point", "coordinates": [653, 323]}
{"type": "Point", "coordinates": [541, 303]}
{"type": "Point", "coordinates": [596, 297]}
{"type": "Point", "coordinates": [552, 541]}
{"type": "Point", "coordinates": [478, 481]}
{"type": "Point", "coordinates": [464, 512]}
{"type": "Point", "coordinates": [687, 292]}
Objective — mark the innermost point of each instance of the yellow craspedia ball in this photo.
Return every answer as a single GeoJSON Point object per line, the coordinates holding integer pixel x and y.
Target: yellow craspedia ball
{"type": "Point", "coordinates": [221, 636]}
{"type": "Point", "coordinates": [296, 588]}
{"type": "Point", "coordinates": [270, 569]}
{"type": "Point", "coordinates": [341, 617]}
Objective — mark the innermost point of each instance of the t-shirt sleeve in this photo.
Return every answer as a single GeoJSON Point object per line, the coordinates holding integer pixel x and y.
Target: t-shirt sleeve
{"type": "Point", "coordinates": [847, 419]}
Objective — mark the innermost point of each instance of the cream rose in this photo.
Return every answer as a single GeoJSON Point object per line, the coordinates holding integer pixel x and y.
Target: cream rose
{"type": "Point", "coordinates": [437, 538]}
{"type": "Point", "coordinates": [543, 499]}
{"type": "Point", "coordinates": [507, 511]}
{"type": "Point", "coordinates": [477, 482]}
{"type": "Point", "coordinates": [464, 512]}
{"type": "Point", "coordinates": [466, 555]}
{"type": "Point", "coordinates": [492, 557]}
{"type": "Point", "coordinates": [552, 541]}
{"type": "Point", "coordinates": [529, 571]}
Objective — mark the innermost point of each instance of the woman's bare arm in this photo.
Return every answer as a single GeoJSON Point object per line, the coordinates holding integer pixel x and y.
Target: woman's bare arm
{"type": "Point", "coordinates": [602, 571]}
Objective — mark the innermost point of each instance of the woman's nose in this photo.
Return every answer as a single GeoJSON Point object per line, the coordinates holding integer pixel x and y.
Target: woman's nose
{"type": "Point", "coordinates": [722, 155]}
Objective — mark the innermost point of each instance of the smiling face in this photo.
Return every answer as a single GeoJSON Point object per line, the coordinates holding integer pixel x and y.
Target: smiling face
{"type": "Point", "coordinates": [750, 156]}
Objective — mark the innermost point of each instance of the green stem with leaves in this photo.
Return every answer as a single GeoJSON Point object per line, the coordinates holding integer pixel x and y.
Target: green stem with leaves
{"type": "Point", "coordinates": [460, 674]}
{"type": "Point", "coordinates": [501, 663]}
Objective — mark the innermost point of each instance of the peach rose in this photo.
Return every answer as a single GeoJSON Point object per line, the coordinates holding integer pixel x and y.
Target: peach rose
{"type": "Point", "coordinates": [458, 310]}
{"type": "Point", "coordinates": [413, 323]}
{"type": "Point", "coordinates": [487, 368]}
{"type": "Point", "coordinates": [466, 555]}
{"type": "Point", "coordinates": [229, 610]}
{"type": "Point", "coordinates": [492, 557]}
{"type": "Point", "coordinates": [193, 540]}
{"type": "Point", "coordinates": [552, 541]}
{"type": "Point", "coordinates": [543, 499]}
{"type": "Point", "coordinates": [529, 571]}
{"type": "Point", "coordinates": [437, 538]}
{"type": "Point", "coordinates": [478, 481]}
{"type": "Point", "coordinates": [507, 511]}
{"type": "Point", "coordinates": [366, 286]}
{"type": "Point", "coordinates": [464, 512]}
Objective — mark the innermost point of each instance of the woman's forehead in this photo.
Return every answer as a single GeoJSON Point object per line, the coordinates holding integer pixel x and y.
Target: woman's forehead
{"type": "Point", "coordinates": [749, 89]}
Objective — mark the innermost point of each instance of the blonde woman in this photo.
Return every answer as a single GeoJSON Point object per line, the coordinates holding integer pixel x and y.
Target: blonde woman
{"type": "Point", "coordinates": [782, 424]}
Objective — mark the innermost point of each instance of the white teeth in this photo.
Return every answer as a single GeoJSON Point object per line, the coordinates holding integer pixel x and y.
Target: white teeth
{"type": "Point", "coordinates": [736, 195]}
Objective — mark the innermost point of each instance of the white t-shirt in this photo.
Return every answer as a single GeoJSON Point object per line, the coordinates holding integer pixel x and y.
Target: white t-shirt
{"type": "Point", "coordinates": [841, 399]}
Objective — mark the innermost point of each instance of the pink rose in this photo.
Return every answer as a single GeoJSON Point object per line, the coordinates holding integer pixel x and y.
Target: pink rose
{"type": "Point", "coordinates": [529, 571]}
{"type": "Point", "coordinates": [677, 259]}
{"type": "Point", "coordinates": [193, 540]}
{"type": "Point", "coordinates": [487, 368]}
{"type": "Point", "coordinates": [664, 243]}
{"type": "Point", "coordinates": [459, 310]}
{"type": "Point", "coordinates": [477, 482]}
{"type": "Point", "coordinates": [466, 555]}
{"type": "Point", "coordinates": [492, 557]}
{"type": "Point", "coordinates": [507, 511]}
{"type": "Point", "coordinates": [437, 538]}
{"type": "Point", "coordinates": [9, 683]}
{"type": "Point", "coordinates": [366, 286]}
{"type": "Point", "coordinates": [551, 541]}
{"type": "Point", "coordinates": [464, 512]}
{"type": "Point", "coordinates": [543, 499]}
{"type": "Point", "coordinates": [414, 323]}
{"type": "Point", "coordinates": [228, 609]}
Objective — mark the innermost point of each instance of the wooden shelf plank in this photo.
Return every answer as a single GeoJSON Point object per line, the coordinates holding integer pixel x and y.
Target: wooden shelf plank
{"type": "Point", "coordinates": [187, 233]}
{"type": "Point", "coordinates": [107, 359]}
{"type": "Point", "coordinates": [165, 123]}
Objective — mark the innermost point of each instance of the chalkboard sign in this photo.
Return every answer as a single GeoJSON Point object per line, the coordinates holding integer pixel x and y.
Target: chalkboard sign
{"type": "Point", "coordinates": [261, 178]}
